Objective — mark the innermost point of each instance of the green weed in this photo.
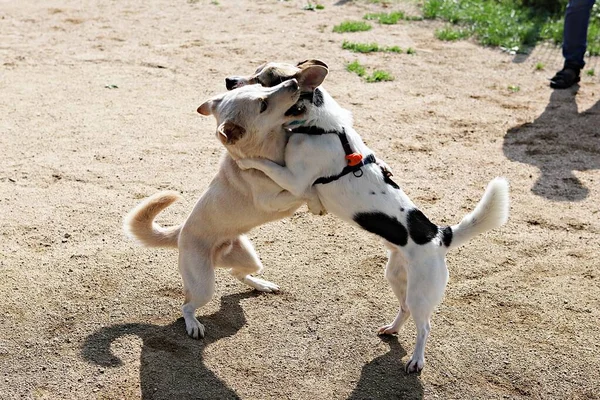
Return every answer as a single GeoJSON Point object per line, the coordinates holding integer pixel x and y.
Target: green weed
{"type": "Point", "coordinates": [450, 34]}
{"type": "Point", "coordinates": [379, 76]}
{"type": "Point", "coordinates": [376, 76]}
{"type": "Point", "coordinates": [357, 68]}
{"type": "Point", "coordinates": [590, 72]}
{"type": "Point", "coordinates": [539, 66]}
{"type": "Point", "coordinates": [386, 18]}
{"type": "Point", "coordinates": [352, 26]}
{"type": "Point", "coordinates": [369, 48]}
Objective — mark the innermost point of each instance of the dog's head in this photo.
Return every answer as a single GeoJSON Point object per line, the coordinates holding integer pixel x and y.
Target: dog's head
{"type": "Point", "coordinates": [247, 114]}
{"type": "Point", "coordinates": [309, 74]}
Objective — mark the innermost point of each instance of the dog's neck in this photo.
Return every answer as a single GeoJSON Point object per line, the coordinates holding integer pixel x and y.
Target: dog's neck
{"type": "Point", "coordinates": [325, 113]}
{"type": "Point", "coordinates": [270, 146]}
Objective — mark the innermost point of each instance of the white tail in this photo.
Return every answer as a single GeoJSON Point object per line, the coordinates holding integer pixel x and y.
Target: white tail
{"type": "Point", "coordinates": [491, 212]}
{"type": "Point", "coordinates": [139, 223]}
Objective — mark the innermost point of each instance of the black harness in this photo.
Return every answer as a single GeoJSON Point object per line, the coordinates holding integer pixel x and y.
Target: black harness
{"type": "Point", "coordinates": [355, 167]}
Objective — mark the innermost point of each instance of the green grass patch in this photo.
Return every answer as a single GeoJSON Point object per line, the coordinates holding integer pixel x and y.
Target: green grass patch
{"type": "Point", "coordinates": [310, 6]}
{"type": "Point", "coordinates": [590, 72]}
{"type": "Point", "coordinates": [357, 68]}
{"type": "Point", "coordinates": [539, 66]}
{"type": "Point", "coordinates": [369, 48]}
{"type": "Point", "coordinates": [379, 76]}
{"type": "Point", "coordinates": [352, 26]}
{"type": "Point", "coordinates": [376, 76]}
{"type": "Point", "coordinates": [450, 34]}
{"type": "Point", "coordinates": [506, 23]}
{"type": "Point", "coordinates": [386, 18]}
{"type": "Point", "coordinates": [514, 88]}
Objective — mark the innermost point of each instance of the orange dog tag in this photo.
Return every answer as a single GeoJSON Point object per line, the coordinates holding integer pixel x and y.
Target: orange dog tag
{"type": "Point", "coordinates": [354, 159]}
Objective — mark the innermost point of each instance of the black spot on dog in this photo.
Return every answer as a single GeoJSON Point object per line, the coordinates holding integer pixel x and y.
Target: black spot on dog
{"type": "Point", "coordinates": [318, 98]}
{"type": "Point", "coordinates": [401, 209]}
{"type": "Point", "coordinates": [421, 229]}
{"type": "Point", "coordinates": [371, 192]}
{"type": "Point", "coordinates": [383, 192]}
{"type": "Point", "coordinates": [447, 236]}
{"type": "Point", "coordinates": [383, 225]}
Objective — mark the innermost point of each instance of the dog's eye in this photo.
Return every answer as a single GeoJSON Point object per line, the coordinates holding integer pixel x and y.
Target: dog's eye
{"type": "Point", "coordinates": [263, 105]}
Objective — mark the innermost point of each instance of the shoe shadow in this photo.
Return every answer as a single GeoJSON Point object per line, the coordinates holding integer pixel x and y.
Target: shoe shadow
{"type": "Point", "coordinates": [561, 140]}
{"type": "Point", "coordinates": [171, 365]}
{"type": "Point", "coordinates": [384, 377]}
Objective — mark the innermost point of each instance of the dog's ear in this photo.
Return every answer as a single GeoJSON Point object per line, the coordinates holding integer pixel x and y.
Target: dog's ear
{"type": "Point", "coordinates": [311, 77]}
{"type": "Point", "coordinates": [208, 106]}
{"type": "Point", "coordinates": [229, 133]}
{"type": "Point", "coordinates": [308, 63]}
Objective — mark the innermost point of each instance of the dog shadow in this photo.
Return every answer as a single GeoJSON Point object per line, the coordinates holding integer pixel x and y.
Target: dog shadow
{"type": "Point", "coordinates": [561, 140]}
{"type": "Point", "coordinates": [384, 377]}
{"type": "Point", "coordinates": [171, 365]}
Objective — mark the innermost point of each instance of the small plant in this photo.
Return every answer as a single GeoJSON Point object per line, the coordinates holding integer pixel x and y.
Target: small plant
{"type": "Point", "coordinates": [410, 50]}
{"type": "Point", "coordinates": [214, 2]}
{"type": "Point", "coordinates": [449, 34]}
{"type": "Point", "coordinates": [514, 88]}
{"type": "Point", "coordinates": [376, 76]}
{"type": "Point", "coordinates": [379, 76]}
{"type": "Point", "coordinates": [352, 26]}
{"type": "Point", "coordinates": [369, 48]}
{"type": "Point", "coordinates": [360, 47]}
{"type": "Point", "coordinates": [386, 18]}
{"type": "Point", "coordinates": [312, 7]}
{"type": "Point", "coordinates": [394, 49]}
{"type": "Point", "coordinates": [356, 68]}
{"type": "Point", "coordinates": [590, 72]}
{"type": "Point", "coordinates": [539, 66]}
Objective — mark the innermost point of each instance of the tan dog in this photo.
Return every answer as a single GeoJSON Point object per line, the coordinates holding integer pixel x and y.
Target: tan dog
{"type": "Point", "coordinates": [250, 121]}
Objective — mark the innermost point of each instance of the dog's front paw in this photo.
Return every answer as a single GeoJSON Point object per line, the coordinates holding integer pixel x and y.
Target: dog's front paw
{"type": "Point", "coordinates": [315, 206]}
{"type": "Point", "coordinates": [260, 284]}
{"type": "Point", "coordinates": [415, 364]}
{"type": "Point", "coordinates": [389, 329]}
{"type": "Point", "coordinates": [193, 327]}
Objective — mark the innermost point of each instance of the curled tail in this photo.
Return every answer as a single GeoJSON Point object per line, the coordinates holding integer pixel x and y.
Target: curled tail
{"type": "Point", "coordinates": [491, 212]}
{"type": "Point", "coordinates": [139, 223]}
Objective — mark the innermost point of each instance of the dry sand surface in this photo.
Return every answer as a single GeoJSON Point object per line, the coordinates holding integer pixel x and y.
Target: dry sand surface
{"type": "Point", "coordinates": [86, 313]}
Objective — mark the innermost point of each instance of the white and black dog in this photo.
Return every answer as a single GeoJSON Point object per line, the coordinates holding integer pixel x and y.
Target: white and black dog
{"type": "Point", "coordinates": [328, 156]}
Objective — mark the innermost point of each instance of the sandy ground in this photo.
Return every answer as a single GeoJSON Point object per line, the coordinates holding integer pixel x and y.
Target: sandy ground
{"type": "Point", "coordinates": [85, 313]}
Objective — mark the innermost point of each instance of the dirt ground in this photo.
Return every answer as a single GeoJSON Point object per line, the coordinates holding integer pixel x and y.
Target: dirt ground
{"type": "Point", "coordinates": [85, 313]}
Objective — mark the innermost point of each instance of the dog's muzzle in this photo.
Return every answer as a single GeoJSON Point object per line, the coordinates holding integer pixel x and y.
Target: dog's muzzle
{"type": "Point", "coordinates": [233, 82]}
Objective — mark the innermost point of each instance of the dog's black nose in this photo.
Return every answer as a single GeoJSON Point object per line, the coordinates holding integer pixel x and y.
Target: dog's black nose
{"type": "Point", "coordinates": [292, 84]}
{"type": "Point", "coordinates": [230, 83]}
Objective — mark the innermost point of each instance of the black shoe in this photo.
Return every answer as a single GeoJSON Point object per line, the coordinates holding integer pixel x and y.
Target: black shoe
{"type": "Point", "coordinates": [565, 78]}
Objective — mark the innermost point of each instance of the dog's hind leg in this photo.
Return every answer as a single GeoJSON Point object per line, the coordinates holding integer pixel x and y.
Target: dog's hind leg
{"type": "Point", "coordinates": [426, 284]}
{"type": "Point", "coordinates": [241, 257]}
{"type": "Point", "coordinates": [395, 273]}
{"type": "Point", "coordinates": [198, 274]}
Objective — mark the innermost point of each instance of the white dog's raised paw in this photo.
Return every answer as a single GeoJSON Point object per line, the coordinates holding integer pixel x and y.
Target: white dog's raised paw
{"type": "Point", "coordinates": [387, 330]}
{"type": "Point", "coordinates": [414, 365]}
{"type": "Point", "coordinates": [194, 328]}
{"type": "Point", "coordinates": [260, 284]}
